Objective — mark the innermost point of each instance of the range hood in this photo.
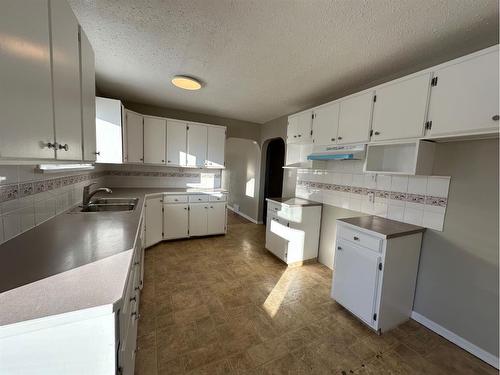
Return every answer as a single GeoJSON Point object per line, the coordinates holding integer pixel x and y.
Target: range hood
{"type": "Point", "coordinates": [338, 152]}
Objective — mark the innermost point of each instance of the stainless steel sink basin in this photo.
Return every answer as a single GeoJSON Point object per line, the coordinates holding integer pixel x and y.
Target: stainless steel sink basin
{"type": "Point", "coordinates": [109, 205]}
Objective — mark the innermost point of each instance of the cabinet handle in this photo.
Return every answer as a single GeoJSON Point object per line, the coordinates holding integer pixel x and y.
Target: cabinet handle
{"type": "Point", "coordinates": [133, 299]}
{"type": "Point", "coordinates": [376, 133]}
{"type": "Point", "coordinates": [211, 206]}
{"type": "Point", "coordinates": [496, 118]}
{"type": "Point", "coordinates": [64, 147]}
{"type": "Point", "coordinates": [141, 159]}
{"type": "Point", "coordinates": [99, 153]}
{"type": "Point", "coordinates": [300, 135]}
{"type": "Point", "coordinates": [163, 161]}
{"type": "Point", "coordinates": [136, 263]}
{"type": "Point", "coordinates": [168, 161]}
{"type": "Point", "coordinates": [339, 138]}
{"type": "Point", "coordinates": [52, 145]}
{"type": "Point", "coordinates": [185, 208]}
{"type": "Point", "coordinates": [355, 238]}
{"type": "Point", "coordinates": [333, 139]}
{"type": "Point", "coordinates": [339, 248]}
{"type": "Point", "coordinates": [206, 208]}
{"type": "Point", "coordinates": [294, 136]}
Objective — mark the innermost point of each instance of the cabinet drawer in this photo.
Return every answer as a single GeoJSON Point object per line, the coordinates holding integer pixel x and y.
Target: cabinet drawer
{"type": "Point", "coordinates": [198, 198]}
{"type": "Point", "coordinates": [360, 238]}
{"type": "Point", "coordinates": [218, 198]}
{"type": "Point", "coordinates": [272, 206]}
{"type": "Point", "coordinates": [175, 199]}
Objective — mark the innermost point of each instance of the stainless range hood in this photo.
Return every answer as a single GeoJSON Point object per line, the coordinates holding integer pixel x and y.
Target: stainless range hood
{"type": "Point", "coordinates": [338, 152]}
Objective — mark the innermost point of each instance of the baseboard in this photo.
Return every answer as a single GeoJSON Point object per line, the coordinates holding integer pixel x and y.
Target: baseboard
{"type": "Point", "coordinates": [457, 340]}
{"type": "Point", "coordinates": [243, 215]}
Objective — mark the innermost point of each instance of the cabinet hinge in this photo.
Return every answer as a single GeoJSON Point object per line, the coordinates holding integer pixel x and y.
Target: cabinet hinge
{"type": "Point", "coordinates": [374, 98]}
{"type": "Point", "coordinates": [162, 234]}
{"type": "Point", "coordinates": [187, 127]}
{"type": "Point", "coordinates": [434, 81]}
{"type": "Point", "coordinates": [374, 316]}
{"type": "Point", "coordinates": [428, 125]}
{"type": "Point", "coordinates": [79, 35]}
{"type": "Point", "coordinates": [311, 132]}
{"type": "Point", "coordinates": [162, 209]}
{"type": "Point", "coordinates": [371, 133]}
{"type": "Point", "coordinates": [312, 116]}
{"type": "Point", "coordinates": [380, 266]}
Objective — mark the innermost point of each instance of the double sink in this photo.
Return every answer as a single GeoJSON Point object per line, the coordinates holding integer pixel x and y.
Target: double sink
{"type": "Point", "coordinates": [108, 205]}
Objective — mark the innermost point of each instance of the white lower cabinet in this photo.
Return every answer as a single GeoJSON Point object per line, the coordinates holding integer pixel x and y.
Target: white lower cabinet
{"type": "Point", "coordinates": [175, 220]}
{"type": "Point", "coordinates": [207, 218]}
{"type": "Point", "coordinates": [292, 231]}
{"type": "Point", "coordinates": [216, 218]}
{"type": "Point", "coordinates": [154, 220]}
{"type": "Point", "coordinates": [375, 274]}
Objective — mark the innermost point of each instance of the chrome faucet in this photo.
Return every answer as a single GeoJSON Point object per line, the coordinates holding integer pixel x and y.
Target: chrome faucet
{"type": "Point", "coordinates": [87, 194]}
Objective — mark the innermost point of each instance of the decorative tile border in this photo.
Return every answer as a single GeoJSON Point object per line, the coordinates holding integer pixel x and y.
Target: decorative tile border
{"type": "Point", "coordinates": [385, 194]}
{"type": "Point", "coordinates": [154, 174]}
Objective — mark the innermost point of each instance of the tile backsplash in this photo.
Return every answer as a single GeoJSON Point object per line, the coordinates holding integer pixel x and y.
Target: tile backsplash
{"type": "Point", "coordinates": [419, 200]}
{"type": "Point", "coordinates": [27, 198]}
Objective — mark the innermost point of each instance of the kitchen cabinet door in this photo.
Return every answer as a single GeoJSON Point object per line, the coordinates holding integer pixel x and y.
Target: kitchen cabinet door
{"type": "Point", "coordinates": [304, 127]}
{"type": "Point", "coordinates": [26, 114]}
{"type": "Point", "coordinates": [276, 233]}
{"type": "Point", "coordinates": [154, 221]}
{"type": "Point", "coordinates": [465, 98]}
{"type": "Point", "coordinates": [155, 139]}
{"type": "Point", "coordinates": [135, 150]}
{"type": "Point", "coordinates": [175, 221]}
{"type": "Point", "coordinates": [292, 130]}
{"type": "Point", "coordinates": [400, 109]}
{"type": "Point", "coordinates": [216, 147]}
{"type": "Point", "coordinates": [196, 145]}
{"type": "Point", "coordinates": [355, 119]}
{"type": "Point", "coordinates": [66, 81]}
{"type": "Point", "coordinates": [325, 124]}
{"type": "Point", "coordinates": [87, 78]}
{"type": "Point", "coordinates": [216, 221]}
{"type": "Point", "coordinates": [355, 279]}
{"type": "Point", "coordinates": [109, 125]}
{"type": "Point", "coordinates": [176, 143]}
{"type": "Point", "coordinates": [198, 219]}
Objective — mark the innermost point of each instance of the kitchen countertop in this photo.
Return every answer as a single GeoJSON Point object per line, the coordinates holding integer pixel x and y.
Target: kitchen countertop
{"type": "Point", "coordinates": [296, 202]}
{"type": "Point", "coordinates": [383, 227]}
{"type": "Point", "coordinates": [87, 246]}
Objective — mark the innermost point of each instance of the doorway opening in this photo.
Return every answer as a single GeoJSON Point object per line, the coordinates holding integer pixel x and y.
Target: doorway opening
{"type": "Point", "coordinates": [275, 160]}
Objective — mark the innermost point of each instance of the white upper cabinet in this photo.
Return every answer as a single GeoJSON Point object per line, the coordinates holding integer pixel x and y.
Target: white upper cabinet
{"type": "Point", "coordinates": [354, 119]}
{"type": "Point", "coordinates": [464, 98]}
{"type": "Point", "coordinates": [109, 117]}
{"type": "Point", "coordinates": [26, 114]}
{"type": "Point", "coordinates": [325, 124]}
{"type": "Point", "coordinates": [300, 127]}
{"type": "Point", "coordinates": [216, 143]}
{"type": "Point", "coordinates": [66, 81]}
{"type": "Point", "coordinates": [87, 78]}
{"type": "Point", "coordinates": [135, 150]}
{"type": "Point", "coordinates": [400, 109]}
{"type": "Point", "coordinates": [196, 145]}
{"type": "Point", "coordinates": [155, 132]}
{"type": "Point", "coordinates": [176, 143]}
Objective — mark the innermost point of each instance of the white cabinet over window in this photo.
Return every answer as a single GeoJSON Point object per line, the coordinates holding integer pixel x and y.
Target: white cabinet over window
{"type": "Point", "coordinates": [134, 135]}
{"type": "Point", "coordinates": [176, 143]}
{"type": "Point", "coordinates": [109, 130]}
{"type": "Point", "coordinates": [464, 97]}
{"type": "Point", "coordinates": [196, 145]}
{"type": "Point", "coordinates": [87, 78]}
{"type": "Point", "coordinates": [355, 119]}
{"type": "Point", "coordinates": [25, 93]}
{"type": "Point", "coordinates": [400, 108]}
{"type": "Point", "coordinates": [155, 132]}
{"type": "Point", "coordinates": [66, 80]}
{"type": "Point", "coordinates": [326, 124]}
{"type": "Point", "coordinates": [216, 143]}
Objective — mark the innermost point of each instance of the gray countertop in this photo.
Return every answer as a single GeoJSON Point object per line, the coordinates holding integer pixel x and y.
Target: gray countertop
{"type": "Point", "coordinates": [71, 241]}
{"type": "Point", "coordinates": [385, 227]}
{"type": "Point", "coordinates": [294, 202]}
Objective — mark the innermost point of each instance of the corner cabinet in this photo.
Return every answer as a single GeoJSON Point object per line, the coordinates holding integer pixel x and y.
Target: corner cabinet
{"type": "Point", "coordinates": [374, 274]}
{"type": "Point", "coordinates": [464, 97]}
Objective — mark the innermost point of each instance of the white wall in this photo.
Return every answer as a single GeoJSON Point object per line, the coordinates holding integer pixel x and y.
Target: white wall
{"type": "Point", "coordinates": [242, 175]}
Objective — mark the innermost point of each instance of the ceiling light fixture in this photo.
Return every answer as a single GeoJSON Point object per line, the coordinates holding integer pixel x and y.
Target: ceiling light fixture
{"type": "Point", "coordinates": [186, 83]}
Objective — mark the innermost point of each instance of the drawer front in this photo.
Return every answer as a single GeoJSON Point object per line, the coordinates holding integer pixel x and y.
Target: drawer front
{"type": "Point", "coordinates": [218, 198]}
{"type": "Point", "coordinates": [361, 238]}
{"type": "Point", "coordinates": [175, 198]}
{"type": "Point", "coordinates": [198, 198]}
{"type": "Point", "coordinates": [272, 206]}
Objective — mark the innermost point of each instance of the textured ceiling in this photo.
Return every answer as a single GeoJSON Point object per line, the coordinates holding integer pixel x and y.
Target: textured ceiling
{"type": "Point", "coordinates": [262, 59]}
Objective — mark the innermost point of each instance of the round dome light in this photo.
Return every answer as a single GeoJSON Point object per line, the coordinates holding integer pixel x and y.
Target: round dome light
{"type": "Point", "coordinates": [186, 83]}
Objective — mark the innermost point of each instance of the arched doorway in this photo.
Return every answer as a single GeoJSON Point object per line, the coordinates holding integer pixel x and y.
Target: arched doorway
{"type": "Point", "coordinates": [275, 160]}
